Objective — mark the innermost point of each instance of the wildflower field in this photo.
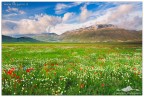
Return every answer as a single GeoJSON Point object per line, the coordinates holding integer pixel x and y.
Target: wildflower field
{"type": "Point", "coordinates": [71, 69]}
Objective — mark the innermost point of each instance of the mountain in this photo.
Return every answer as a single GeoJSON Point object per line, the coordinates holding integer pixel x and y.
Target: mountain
{"type": "Point", "coordinates": [20, 39]}
{"type": "Point", "coordinates": [100, 26]}
{"type": "Point", "coordinates": [101, 33]}
{"type": "Point", "coordinates": [8, 39]}
{"type": "Point", "coordinates": [46, 37]}
{"type": "Point", "coordinates": [91, 34]}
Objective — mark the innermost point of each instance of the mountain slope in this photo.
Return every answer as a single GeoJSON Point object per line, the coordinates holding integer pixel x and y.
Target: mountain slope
{"type": "Point", "coordinates": [101, 35]}
{"type": "Point", "coordinates": [46, 37]}
{"type": "Point", "coordinates": [21, 39]}
{"type": "Point", "coordinates": [8, 39]}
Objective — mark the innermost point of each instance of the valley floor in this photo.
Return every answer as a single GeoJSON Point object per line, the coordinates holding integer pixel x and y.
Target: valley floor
{"type": "Point", "coordinates": [71, 69]}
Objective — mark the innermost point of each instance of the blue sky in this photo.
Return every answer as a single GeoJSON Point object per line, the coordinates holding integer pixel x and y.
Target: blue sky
{"type": "Point", "coordinates": [49, 8]}
{"type": "Point", "coordinates": [59, 17]}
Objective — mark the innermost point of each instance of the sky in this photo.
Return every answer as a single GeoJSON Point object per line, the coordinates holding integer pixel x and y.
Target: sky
{"type": "Point", "coordinates": [59, 17]}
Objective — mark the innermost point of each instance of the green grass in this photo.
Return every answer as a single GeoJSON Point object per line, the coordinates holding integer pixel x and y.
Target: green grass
{"type": "Point", "coordinates": [71, 68]}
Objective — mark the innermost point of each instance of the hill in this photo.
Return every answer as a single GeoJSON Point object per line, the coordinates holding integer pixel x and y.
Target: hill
{"type": "Point", "coordinates": [102, 34]}
{"type": "Point", "coordinates": [91, 34]}
{"type": "Point", "coordinates": [21, 39]}
{"type": "Point", "coordinates": [46, 37]}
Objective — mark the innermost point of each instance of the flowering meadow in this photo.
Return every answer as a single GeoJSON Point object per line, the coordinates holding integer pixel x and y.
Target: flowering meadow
{"type": "Point", "coordinates": [71, 69]}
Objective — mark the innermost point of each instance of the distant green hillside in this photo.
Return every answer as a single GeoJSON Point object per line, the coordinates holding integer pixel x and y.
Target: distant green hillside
{"type": "Point", "coordinates": [21, 39]}
{"type": "Point", "coordinates": [46, 37]}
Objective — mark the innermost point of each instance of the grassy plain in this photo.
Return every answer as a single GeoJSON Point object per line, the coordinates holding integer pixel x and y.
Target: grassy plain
{"type": "Point", "coordinates": [71, 68]}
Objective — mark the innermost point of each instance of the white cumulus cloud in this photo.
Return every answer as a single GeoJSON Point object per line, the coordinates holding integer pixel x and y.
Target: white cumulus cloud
{"type": "Point", "coordinates": [67, 16]}
{"type": "Point", "coordinates": [30, 26]}
{"type": "Point", "coordinates": [84, 13]}
{"type": "Point", "coordinates": [16, 10]}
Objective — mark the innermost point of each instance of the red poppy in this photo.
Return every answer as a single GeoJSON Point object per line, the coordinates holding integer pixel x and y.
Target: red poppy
{"type": "Point", "coordinates": [81, 85]}
{"type": "Point", "coordinates": [81, 68]}
{"type": "Point", "coordinates": [52, 64]}
{"type": "Point", "coordinates": [9, 72]}
{"type": "Point", "coordinates": [14, 74]}
{"type": "Point", "coordinates": [47, 70]}
{"type": "Point", "coordinates": [17, 77]}
{"type": "Point", "coordinates": [45, 64]}
{"type": "Point", "coordinates": [29, 69]}
{"type": "Point", "coordinates": [135, 69]}
{"type": "Point", "coordinates": [12, 69]}
{"type": "Point", "coordinates": [102, 85]}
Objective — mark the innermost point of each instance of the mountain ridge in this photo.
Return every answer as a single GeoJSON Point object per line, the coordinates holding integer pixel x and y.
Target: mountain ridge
{"type": "Point", "coordinates": [94, 33]}
{"type": "Point", "coordinates": [102, 35]}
